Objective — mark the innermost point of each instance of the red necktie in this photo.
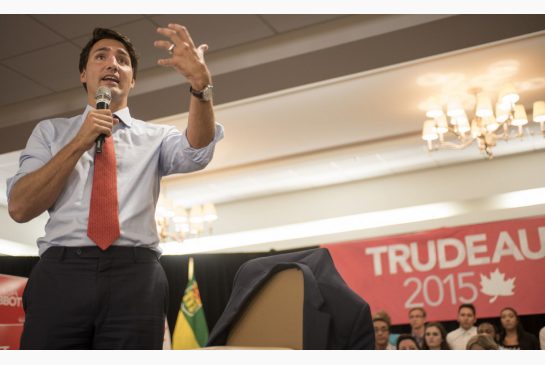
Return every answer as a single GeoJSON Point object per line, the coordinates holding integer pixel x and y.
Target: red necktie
{"type": "Point", "coordinates": [103, 227]}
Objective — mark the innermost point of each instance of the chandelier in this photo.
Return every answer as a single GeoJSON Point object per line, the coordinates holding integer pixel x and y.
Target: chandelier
{"type": "Point", "coordinates": [176, 223]}
{"type": "Point", "coordinates": [454, 130]}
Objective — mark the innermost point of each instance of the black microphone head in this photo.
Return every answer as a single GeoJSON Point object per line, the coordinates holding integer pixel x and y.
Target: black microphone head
{"type": "Point", "coordinates": [103, 95]}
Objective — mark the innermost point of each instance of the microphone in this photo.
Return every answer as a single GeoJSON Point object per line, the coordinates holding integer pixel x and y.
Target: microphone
{"type": "Point", "coordinates": [103, 97]}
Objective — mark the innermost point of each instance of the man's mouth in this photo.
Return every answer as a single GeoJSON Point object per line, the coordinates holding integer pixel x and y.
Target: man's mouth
{"type": "Point", "coordinates": [111, 78]}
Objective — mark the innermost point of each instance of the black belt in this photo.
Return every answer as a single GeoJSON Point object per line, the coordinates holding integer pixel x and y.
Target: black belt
{"type": "Point", "coordinates": [137, 253]}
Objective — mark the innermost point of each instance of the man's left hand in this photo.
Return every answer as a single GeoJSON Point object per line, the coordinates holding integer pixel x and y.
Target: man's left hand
{"type": "Point", "coordinates": [186, 58]}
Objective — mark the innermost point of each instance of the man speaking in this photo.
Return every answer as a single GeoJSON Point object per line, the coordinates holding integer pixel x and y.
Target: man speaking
{"type": "Point", "coordinates": [98, 283]}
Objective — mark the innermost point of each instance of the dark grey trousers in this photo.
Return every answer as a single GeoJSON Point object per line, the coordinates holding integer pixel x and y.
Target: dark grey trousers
{"type": "Point", "coordinates": [85, 298]}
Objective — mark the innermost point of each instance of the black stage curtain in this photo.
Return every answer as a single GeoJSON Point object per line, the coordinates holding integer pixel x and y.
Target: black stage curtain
{"type": "Point", "coordinates": [215, 274]}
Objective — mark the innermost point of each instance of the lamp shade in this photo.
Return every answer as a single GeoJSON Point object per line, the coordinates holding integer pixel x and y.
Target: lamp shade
{"type": "Point", "coordinates": [434, 110]}
{"type": "Point", "coordinates": [195, 214]}
{"type": "Point", "coordinates": [209, 212]}
{"type": "Point", "coordinates": [520, 115]}
{"type": "Point", "coordinates": [508, 94]}
{"type": "Point", "coordinates": [491, 124]}
{"type": "Point", "coordinates": [180, 215]}
{"type": "Point", "coordinates": [475, 130]}
{"type": "Point", "coordinates": [539, 111]}
{"type": "Point", "coordinates": [429, 131]}
{"type": "Point", "coordinates": [502, 112]}
{"type": "Point", "coordinates": [442, 124]}
{"type": "Point", "coordinates": [454, 108]}
{"type": "Point", "coordinates": [462, 123]}
{"type": "Point", "coordinates": [484, 106]}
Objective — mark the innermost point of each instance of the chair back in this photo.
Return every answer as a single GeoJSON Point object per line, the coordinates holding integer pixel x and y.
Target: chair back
{"type": "Point", "coordinates": [274, 315]}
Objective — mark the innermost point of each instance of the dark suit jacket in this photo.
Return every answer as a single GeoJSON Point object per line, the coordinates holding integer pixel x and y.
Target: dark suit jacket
{"type": "Point", "coordinates": [334, 317]}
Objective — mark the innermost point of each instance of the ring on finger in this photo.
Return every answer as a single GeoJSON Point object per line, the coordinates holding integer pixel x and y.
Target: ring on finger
{"type": "Point", "coordinates": [171, 48]}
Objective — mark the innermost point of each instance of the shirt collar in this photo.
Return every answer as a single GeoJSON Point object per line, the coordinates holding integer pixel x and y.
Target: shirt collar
{"type": "Point", "coordinates": [123, 114]}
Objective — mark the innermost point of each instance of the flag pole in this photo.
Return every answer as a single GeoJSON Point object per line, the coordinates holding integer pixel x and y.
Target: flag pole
{"type": "Point", "coordinates": [190, 269]}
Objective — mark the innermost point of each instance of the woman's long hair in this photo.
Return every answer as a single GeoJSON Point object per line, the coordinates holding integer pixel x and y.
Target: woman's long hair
{"type": "Point", "coordinates": [503, 332]}
{"type": "Point", "coordinates": [444, 344]}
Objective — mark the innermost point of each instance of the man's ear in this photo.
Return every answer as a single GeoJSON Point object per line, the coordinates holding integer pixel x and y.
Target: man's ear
{"type": "Point", "coordinates": [133, 83]}
{"type": "Point", "coordinates": [83, 77]}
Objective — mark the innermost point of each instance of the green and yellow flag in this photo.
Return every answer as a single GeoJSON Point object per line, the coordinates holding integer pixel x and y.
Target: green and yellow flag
{"type": "Point", "coordinates": [191, 330]}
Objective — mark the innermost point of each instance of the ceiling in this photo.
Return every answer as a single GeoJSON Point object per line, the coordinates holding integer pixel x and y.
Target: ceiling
{"type": "Point", "coordinates": [306, 100]}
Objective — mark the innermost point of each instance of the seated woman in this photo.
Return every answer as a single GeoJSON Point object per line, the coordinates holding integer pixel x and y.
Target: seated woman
{"type": "Point", "coordinates": [435, 337]}
{"type": "Point", "coordinates": [512, 335]}
{"type": "Point", "coordinates": [482, 342]}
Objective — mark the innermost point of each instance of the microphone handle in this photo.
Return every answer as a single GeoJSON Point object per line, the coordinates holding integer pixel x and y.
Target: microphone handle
{"type": "Point", "coordinates": [100, 139]}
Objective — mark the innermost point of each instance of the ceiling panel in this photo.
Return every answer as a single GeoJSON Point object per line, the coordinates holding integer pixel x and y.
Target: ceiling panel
{"type": "Point", "coordinates": [82, 24]}
{"type": "Point", "coordinates": [21, 33]}
{"type": "Point", "coordinates": [219, 31]}
{"type": "Point", "coordinates": [56, 66]}
{"type": "Point", "coordinates": [20, 88]}
{"type": "Point", "coordinates": [144, 34]}
{"type": "Point", "coordinates": [286, 22]}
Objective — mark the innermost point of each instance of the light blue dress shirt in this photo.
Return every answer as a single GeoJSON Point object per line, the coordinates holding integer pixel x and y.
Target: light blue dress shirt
{"type": "Point", "coordinates": [145, 152]}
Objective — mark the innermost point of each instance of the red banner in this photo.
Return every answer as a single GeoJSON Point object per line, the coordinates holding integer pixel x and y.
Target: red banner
{"type": "Point", "coordinates": [12, 315]}
{"type": "Point", "coordinates": [491, 265]}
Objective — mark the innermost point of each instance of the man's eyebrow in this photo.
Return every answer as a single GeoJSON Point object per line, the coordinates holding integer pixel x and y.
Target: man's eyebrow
{"type": "Point", "coordinates": [119, 50]}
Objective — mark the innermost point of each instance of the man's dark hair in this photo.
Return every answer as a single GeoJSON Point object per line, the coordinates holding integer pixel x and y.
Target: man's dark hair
{"type": "Point", "coordinates": [104, 33]}
{"type": "Point", "coordinates": [467, 305]}
{"type": "Point", "coordinates": [406, 336]}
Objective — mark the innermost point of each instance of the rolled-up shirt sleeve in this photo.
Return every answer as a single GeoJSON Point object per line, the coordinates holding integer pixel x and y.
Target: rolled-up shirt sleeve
{"type": "Point", "coordinates": [36, 153]}
{"type": "Point", "coordinates": [178, 156]}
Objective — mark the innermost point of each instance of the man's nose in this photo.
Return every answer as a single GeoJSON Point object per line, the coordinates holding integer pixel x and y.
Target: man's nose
{"type": "Point", "coordinates": [112, 63]}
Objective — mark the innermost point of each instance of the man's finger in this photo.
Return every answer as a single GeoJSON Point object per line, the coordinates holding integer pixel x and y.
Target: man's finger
{"type": "Point", "coordinates": [183, 33]}
{"type": "Point", "coordinates": [162, 44]}
{"type": "Point", "coordinates": [167, 62]}
{"type": "Point", "coordinates": [171, 34]}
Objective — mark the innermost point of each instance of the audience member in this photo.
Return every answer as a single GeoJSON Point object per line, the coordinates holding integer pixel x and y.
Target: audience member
{"type": "Point", "coordinates": [382, 332]}
{"type": "Point", "coordinates": [417, 320]}
{"type": "Point", "coordinates": [392, 338]}
{"type": "Point", "coordinates": [407, 342]}
{"type": "Point", "coordinates": [489, 329]}
{"type": "Point", "coordinates": [512, 335]}
{"type": "Point", "coordinates": [435, 337]}
{"type": "Point", "coordinates": [542, 338]}
{"type": "Point", "coordinates": [482, 342]}
{"type": "Point", "coordinates": [458, 338]}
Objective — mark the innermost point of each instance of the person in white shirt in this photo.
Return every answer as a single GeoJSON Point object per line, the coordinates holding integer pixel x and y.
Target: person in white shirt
{"type": "Point", "coordinates": [458, 338]}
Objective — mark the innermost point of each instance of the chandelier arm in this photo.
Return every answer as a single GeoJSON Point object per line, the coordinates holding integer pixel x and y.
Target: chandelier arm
{"type": "Point", "coordinates": [456, 146]}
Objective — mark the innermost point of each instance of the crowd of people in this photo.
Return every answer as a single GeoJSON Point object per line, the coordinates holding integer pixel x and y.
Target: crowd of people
{"type": "Point", "coordinates": [468, 336]}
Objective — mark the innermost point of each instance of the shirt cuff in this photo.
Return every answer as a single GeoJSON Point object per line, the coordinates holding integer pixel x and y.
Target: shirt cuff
{"type": "Point", "coordinates": [203, 155]}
